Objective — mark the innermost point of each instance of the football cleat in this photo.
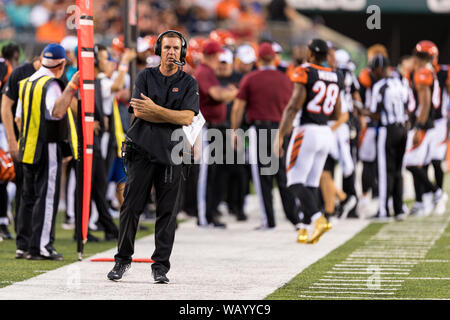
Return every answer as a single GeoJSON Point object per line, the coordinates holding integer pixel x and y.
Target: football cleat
{"type": "Point", "coordinates": [320, 227]}
{"type": "Point", "coordinates": [302, 236]}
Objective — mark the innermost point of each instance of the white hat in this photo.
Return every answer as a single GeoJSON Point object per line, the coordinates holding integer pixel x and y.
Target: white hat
{"type": "Point", "coordinates": [69, 43]}
{"type": "Point", "coordinates": [246, 53]}
{"type": "Point", "coordinates": [226, 56]}
{"type": "Point", "coordinates": [142, 44]}
{"type": "Point", "coordinates": [342, 58]}
{"type": "Point", "coordinates": [277, 47]}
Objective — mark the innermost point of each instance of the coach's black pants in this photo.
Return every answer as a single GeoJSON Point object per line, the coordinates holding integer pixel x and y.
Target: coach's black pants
{"type": "Point", "coordinates": [39, 202]}
{"type": "Point", "coordinates": [264, 183]}
{"type": "Point", "coordinates": [167, 181]}
{"type": "Point", "coordinates": [391, 146]}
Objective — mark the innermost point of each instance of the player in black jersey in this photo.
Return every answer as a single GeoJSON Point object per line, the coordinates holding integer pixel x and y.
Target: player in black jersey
{"type": "Point", "coordinates": [317, 95]}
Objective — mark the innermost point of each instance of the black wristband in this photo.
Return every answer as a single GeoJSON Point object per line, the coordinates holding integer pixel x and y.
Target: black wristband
{"type": "Point", "coordinates": [420, 126]}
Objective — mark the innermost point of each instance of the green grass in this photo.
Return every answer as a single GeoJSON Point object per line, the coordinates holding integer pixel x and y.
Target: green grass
{"type": "Point", "coordinates": [410, 288]}
{"type": "Point", "coordinates": [13, 270]}
{"type": "Point", "coordinates": [302, 282]}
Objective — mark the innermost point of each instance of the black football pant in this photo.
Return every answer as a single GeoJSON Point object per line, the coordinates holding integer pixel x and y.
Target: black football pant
{"type": "Point", "coordinates": [39, 202]}
{"type": "Point", "coordinates": [391, 145]}
{"type": "Point", "coordinates": [142, 174]}
{"type": "Point", "coordinates": [238, 180]}
{"type": "Point", "coordinates": [264, 183]}
{"type": "Point", "coordinates": [369, 177]}
{"type": "Point", "coordinates": [189, 191]}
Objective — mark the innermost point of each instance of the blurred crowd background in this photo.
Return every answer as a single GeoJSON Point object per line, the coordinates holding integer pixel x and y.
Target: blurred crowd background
{"type": "Point", "coordinates": [33, 23]}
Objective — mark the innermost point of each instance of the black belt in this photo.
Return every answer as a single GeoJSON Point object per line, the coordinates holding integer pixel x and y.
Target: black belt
{"type": "Point", "coordinates": [396, 124]}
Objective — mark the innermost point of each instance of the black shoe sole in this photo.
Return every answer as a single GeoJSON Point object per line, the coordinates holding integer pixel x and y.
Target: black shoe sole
{"type": "Point", "coordinates": [161, 282]}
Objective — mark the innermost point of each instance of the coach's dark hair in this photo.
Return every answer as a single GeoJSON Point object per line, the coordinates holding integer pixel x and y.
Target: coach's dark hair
{"type": "Point", "coordinates": [10, 50]}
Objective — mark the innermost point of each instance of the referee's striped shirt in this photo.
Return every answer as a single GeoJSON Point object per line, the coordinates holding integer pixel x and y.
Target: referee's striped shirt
{"type": "Point", "coordinates": [390, 98]}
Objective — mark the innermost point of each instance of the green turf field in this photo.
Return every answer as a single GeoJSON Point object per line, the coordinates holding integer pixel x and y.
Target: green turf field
{"type": "Point", "coordinates": [14, 270]}
{"type": "Point", "coordinates": [396, 260]}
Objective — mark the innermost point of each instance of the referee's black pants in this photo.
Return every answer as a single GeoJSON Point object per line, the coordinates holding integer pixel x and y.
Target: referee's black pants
{"type": "Point", "coordinates": [391, 145]}
{"type": "Point", "coordinates": [39, 202]}
{"type": "Point", "coordinates": [264, 183]}
{"type": "Point", "coordinates": [98, 191]}
{"type": "Point", "coordinates": [142, 174]}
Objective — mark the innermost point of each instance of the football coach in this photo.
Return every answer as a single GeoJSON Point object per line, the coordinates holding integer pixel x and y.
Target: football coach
{"type": "Point", "coordinates": [165, 98]}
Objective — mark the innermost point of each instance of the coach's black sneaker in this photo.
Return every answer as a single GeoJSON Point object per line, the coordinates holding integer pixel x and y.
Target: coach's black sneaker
{"type": "Point", "coordinates": [4, 232]}
{"type": "Point", "coordinates": [159, 276]}
{"type": "Point", "coordinates": [118, 271]}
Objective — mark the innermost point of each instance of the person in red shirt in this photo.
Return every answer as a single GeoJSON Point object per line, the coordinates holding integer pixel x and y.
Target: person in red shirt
{"type": "Point", "coordinates": [213, 99]}
{"type": "Point", "coordinates": [264, 93]}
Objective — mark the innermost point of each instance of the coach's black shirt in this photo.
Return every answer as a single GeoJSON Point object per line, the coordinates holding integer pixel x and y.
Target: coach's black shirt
{"type": "Point", "coordinates": [177, 92]}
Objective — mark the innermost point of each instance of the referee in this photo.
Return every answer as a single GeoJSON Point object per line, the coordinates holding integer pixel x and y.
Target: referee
{"type": "Point", "coordinates": [41, 109]}
{"type": "Point", "coordinates": [388, 106]}
{"type": "Point", "coordinates": [164, 99]}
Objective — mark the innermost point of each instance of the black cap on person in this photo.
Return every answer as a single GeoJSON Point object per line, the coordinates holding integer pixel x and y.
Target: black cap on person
{"type": "Point", "coordinates": [318, 46]}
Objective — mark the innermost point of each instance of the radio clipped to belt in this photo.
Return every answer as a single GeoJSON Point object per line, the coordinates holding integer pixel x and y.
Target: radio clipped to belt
{"type": "Point", "coordinates": [126, 152]}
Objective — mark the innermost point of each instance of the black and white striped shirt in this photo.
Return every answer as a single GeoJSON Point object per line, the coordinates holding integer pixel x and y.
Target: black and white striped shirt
{"type": "Point", "coordinates": [390, 99]}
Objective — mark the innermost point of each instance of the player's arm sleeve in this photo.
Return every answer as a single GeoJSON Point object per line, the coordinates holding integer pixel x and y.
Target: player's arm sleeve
{"type": "Point", "coordinates": [424, 77]}
{"type": "Point", "coordinates": [300, 75]}
{"type": "Point", "coordinates": [11, 88]}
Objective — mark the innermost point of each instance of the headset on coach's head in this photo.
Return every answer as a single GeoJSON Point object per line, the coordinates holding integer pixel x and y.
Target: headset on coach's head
{"type": "Point", "coordinates": [183, 46]}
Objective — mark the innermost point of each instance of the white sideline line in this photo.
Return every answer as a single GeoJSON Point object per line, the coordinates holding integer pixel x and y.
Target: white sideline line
{"type": "Point", "coordinates": [380, 293]}
{"type": "Point", "coordinates": [366, 288]}
{"type": "Point", "coordinates": [350, 284]}
{"type": "Point", "coordinates": [365, 298]}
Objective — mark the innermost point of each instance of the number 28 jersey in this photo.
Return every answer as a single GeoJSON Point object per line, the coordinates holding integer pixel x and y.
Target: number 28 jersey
{"type": "Point", "coordinates": [323, 87]}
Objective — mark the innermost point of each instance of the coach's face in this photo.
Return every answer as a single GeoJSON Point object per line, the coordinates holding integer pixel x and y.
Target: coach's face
{"type": "Point", "coordinates": [170, 50]}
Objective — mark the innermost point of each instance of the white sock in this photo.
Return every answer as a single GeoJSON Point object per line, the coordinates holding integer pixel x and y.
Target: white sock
{"type": "Point", "coordinates": [316, 216]}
